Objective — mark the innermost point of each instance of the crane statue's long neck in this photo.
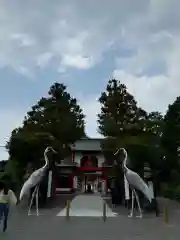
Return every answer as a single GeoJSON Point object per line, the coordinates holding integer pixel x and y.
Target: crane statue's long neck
{"type": "Point", "coordinates": [46, 160]}
{"type": "Point", "coordinates": [125, 162]}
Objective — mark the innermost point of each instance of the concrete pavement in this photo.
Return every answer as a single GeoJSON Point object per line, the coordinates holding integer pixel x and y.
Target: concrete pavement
{"type": "Point", "coordinates": [48, 226]}
{"type": "Point", "coordinates": [86, 205]}
{"type": "Point", "coordinates": [51, 227]}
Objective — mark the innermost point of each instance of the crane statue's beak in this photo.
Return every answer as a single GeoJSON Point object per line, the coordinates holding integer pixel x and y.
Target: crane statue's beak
{"type": "Point", "coordinates": [53, 150]}
{"type": "Point", "coordinates": [116, 152]}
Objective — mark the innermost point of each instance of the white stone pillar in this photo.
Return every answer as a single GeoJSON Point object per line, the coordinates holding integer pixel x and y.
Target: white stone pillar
{"type": "Point", "coordinates": [94, 185]}
{"type": "Point", "coordinates": [75, 182]}
{"type": "Point", "coordinates": [103, 187]}
{"type": "Point", "coordinates": [49, 184]}
{"type": "Point", "coordinates": [83, 186]}
{"type": "Point", "coordinates": [126, 188]}
{"type": "Point", "coordinates": [151, 188]}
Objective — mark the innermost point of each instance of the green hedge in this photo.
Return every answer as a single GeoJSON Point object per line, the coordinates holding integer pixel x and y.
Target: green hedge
{"type": "Point", "coordinates": [171, 191]}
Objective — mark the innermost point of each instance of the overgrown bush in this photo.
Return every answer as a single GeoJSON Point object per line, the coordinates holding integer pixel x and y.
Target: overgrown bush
{"type": "Point", "coordinates": [177, 192]}
{"type": "Point", "coordinates": [11, 175]}
{"type": "Point", "coordinates": [168, 191]}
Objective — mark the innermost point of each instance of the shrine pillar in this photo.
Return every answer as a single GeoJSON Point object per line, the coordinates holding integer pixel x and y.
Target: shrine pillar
{"type": "Point", "coordinates": [104, 184]}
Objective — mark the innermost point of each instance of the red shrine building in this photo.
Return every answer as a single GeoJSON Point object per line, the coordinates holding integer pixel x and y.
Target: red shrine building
{"type": "Point", "coordinates": [86, 168]}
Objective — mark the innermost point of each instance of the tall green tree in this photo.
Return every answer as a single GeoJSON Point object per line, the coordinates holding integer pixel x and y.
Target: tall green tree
{"type": "Point", "coordinates": [58, 114]}
{"type": "Point", "coordinates": [170, 143]}
{"type": "Point", "coordinates": [120, 119]}
{"type": "Point", "coordinates": [56, 120]}
{"type": "Point", "coordinates": [171, 134]}
{"type": "Point", "coordinates": [154, 124]}
{"type": "Point", "coordinates": [119, 110]}
{"type": "Point", "coordinates": [123, 123]}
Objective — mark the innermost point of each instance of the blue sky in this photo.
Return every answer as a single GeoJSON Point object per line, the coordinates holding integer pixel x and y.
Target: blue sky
{"type": "Point", "coordinates": [82, 45]}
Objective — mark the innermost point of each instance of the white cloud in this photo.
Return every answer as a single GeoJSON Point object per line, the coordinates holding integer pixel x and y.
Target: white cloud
{"type": "Point", "coordinates": [152, 74]}
{"type": "Point", "coordinates": [77, 61]}
{"type": "Point", "coordinates": [22, 39]}
{"type": "Point", "coordinates": [24, 71]}
{"type": "Point", "coordinates": [151, 93]}
{"type": "Point", "coordinates": [43, 59]}
{"type": "Point", "coordinates": [10, 119]}
{"type": "Point", "coordinates": [91, 108]}
{"type": "Point", "coordinates": [77, 33]}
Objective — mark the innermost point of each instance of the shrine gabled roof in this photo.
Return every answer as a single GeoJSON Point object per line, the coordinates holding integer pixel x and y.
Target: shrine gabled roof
{"type": "Point", "coordinates": [87, 144]}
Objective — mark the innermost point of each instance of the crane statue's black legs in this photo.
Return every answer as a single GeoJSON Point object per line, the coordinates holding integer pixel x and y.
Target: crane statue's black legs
{"type": "Point", "coordinates": [34, 194]}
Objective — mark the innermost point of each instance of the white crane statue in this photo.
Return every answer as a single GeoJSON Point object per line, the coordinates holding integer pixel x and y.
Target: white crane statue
{"type": "Point", "coordinates": [134, 180]}
{"type": "Point", "coordinates": [35, 180]}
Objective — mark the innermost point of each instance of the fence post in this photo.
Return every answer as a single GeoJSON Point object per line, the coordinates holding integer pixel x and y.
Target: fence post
{"type": "Point", "coordinates": [104, 211]}
{"type": "Point", "coordinates": [67, 209]}
{"type": "Point", "coordinates": [166, 218]}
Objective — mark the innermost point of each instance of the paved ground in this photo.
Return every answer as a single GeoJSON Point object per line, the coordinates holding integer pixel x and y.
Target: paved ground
{"type": "Point", "coordinates": [88, 205]}
{"type": "Point", "coordinates": [49, 226]}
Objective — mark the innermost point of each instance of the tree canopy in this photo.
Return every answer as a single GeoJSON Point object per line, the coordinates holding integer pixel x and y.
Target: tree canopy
{"type": "Point", "coordinates": [123, 123]}
{"type": "Point", "coordinates": [119, 110]}
{"type": "Point", "coordinates": [55, 120]}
